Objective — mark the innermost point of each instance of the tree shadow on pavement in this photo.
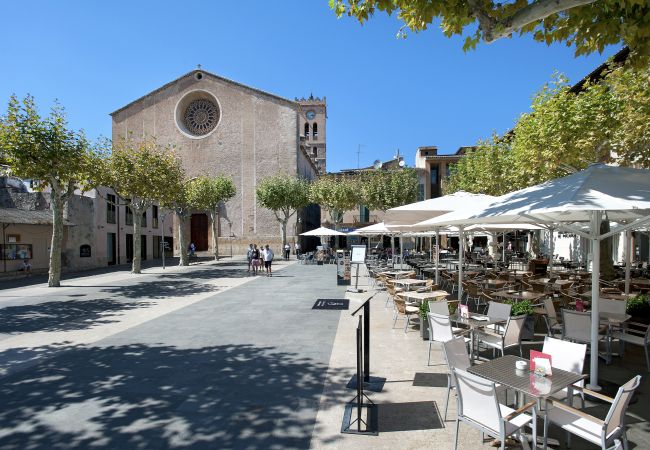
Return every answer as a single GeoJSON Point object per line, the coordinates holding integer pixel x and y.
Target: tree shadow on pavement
{"type": "Point", "coordinates": [210, 274]}
{"type": "Point", "coordinates": [62, 315]}
{"type": "Point", "coordinates": [160, 289]}
{"type": "Point", "coordinates": [162, 397]}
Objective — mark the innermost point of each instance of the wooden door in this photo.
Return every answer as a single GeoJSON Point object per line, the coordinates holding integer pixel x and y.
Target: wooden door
{"type": "Point", "coordinates": [199, 231]}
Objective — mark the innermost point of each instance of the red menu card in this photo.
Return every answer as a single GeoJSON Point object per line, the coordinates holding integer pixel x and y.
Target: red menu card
{"type": "Point", "coordinates": [535, 355]}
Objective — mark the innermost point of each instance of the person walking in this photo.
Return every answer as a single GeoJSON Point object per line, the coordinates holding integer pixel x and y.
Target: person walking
{"type": "Point", "coordinates": [268, 259]}
{"type": "Point", "coordinates": [287, 251]}
{"type": "Point", "coordinates": [249, 257]}
{"type": "Point", "coordinates": [255, 258]}
{"type": "Point", "coordinates": [297, 250]}
{"type": "Point", "coordinates": [261, 257]}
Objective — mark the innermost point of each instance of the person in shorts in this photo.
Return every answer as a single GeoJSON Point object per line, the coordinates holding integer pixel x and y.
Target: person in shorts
{"type": "Point", "coordinates": [268, 259]}
{"type": "Point", "coordinates": [255, 258]}
{"type": "Point", "coordinates": [25, 267]}
{"type": "Point", "coordinates": [249, 257]}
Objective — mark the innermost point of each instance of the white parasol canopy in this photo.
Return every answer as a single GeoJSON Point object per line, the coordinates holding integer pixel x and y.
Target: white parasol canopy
{"type": "Point", "coordinates": [416, 212]}
{"type": "Point", "coordinates": [322, 231]}
{"type": "Point", "coordinates": [619, 194]}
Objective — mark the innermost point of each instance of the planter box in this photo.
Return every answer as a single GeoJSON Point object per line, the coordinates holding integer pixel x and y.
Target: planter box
{"type": "Point", "coordinates": [424, 329]}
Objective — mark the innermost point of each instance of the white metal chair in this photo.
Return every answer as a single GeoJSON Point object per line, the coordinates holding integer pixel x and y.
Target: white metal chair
{"type": "Point", "coordinates": [439, 307]}
{"type": "Point", "coordinates": [498, 310]}
{"type": "Point", "coordinates": [608, 305]}
{"type": "Point", "coordinates": [607, 433]}
{"type": "Point", "coordinates": [479, 407]}
{"type": "Point", "coordinates": [440, 330]}
{"type": "Point", "coordinates": [576, 326]}
{"type": "Point", "coordinates": [550, 316]}
{"type": "Point", "coordinates": [568, 356]}
{"type": "Point", "coordinates": [456, 356]}
{"type": "Point", "coordinates": [511, 335]}
{"type": "Point", "coordinates": [632, 333]}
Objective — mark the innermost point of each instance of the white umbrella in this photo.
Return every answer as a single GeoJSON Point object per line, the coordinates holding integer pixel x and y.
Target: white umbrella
{"type": "Point", "coordinates": [322, 231]}
{"type": "Point", "coordinates": [622, 193]}
{"type": "Point", "coordinates": [416, 212]}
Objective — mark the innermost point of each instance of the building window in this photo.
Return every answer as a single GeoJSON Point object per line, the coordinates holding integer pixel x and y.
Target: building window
{"type": "Point", "coordinates": [143, 221]}
{"type": "Point", "coordinates": [364, 214]}
{"type": "Point", "coordinates": [314, 130]}
{"type": "Point", "coordinates": [434, 174]}
{"type": "Point", "coordinates": [420, 192]}
{"type": "Point", "coordinates": [110, 208]}
{"type": "Point", "coordinates": [314, 151]}
{"type": "Point", "coordinates": [128, 216]}
{"type": "Point", "coordinates": [307, 131]}
{"type": "Point", "coordinates": [154, 216]}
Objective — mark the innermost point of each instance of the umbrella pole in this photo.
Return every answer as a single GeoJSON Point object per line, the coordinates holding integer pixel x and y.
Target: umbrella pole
{"type": "Point", "coordinates": [550, 259]}
{"type": "Point", "coordinates": [392, 249]}
{"type": "Point", "coordinates": [595, 294]}
{"type": "Point", "coordinates": [437, 262]}
{"type": "Point", "coordinates": [461, 257]}
{"type": "Point", "coordinates": [628, 259]}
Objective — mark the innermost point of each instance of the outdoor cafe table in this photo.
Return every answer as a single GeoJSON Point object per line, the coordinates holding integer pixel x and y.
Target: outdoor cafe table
{"type": "Point", "coordinates": [408, 282]}
{"type": "Point", "coordinates": [396, 273]}
{"type": "Point", "coordinates": [423, 296]}
{"type": "Point", "coordinates": [607, 295]}
{"type": "Point", "coordinates": [503, 371]}
{"type": "Point", "coordinates": [492, 283]}
{"type": "Point", "coordinates": [474, 322]}
{"type": "Point", "coordinates": [519, 295]}
{"type": "Point", "coordinates": [556, 284]}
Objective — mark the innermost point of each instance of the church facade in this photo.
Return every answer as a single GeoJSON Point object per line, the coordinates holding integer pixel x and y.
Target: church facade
{"type": "Point", "coordinates": [221, 127]}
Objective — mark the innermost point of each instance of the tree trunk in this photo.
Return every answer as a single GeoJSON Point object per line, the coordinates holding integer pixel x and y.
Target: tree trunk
{"type": "Point", "coordinates": [56, 204]}
{"type": "Point", "coordinates": [137, 250]}
{"type": "Point", "coordinates": [182, 241]}
{"type": "Point", "coordinates": [283, 230]}
{"type": "Point", "coordinates": [606, 262]}
{"type": "Point", "coordinates": [214, 216]}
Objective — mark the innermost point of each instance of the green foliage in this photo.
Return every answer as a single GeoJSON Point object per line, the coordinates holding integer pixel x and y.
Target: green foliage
{"type": "Point", "coordinates": [283, 193]}
{"type": "Point", "coordinates": [607, 121]}
{"type": "Point", "coordinates": [385, 189]}
{"type": "Point", "coordinates": [520, 307]}
{"type": "Point", "coordinates": [45, 150]}
{"type": "Point", "coordinates": [335, 194]}
{"type": "Point", "coordinates": [206, 193]}
{"type": "Point", "coordinates": [638, 306]}
{"type": "Point", "coordinates": [143, 171]}
{"type": "Point", "coordinates": [588, 25]}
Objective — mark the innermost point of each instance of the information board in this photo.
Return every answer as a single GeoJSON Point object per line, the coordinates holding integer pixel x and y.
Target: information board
{"type": "Point", "coordinates": [358, 254]}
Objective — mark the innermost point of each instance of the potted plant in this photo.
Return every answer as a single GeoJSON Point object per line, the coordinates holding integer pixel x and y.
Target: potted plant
{"type": "Point", "coordinates": [424, 320]}
{"type": "Point", "coordinates": [639, 308]}
{"type": "Point", "coordinates": [524, 308]}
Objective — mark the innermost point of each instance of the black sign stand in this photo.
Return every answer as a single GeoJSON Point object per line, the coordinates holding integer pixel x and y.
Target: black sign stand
{"type": "Point", "coordinates": [357, 404]}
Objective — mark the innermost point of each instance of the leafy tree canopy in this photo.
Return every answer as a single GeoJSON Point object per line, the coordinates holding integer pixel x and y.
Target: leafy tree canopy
{"type": "Point", "coordinates": [565, 131]}
{"type": "Point", "coordinates": [283, 193]}
{"type": "Point", "coordinates": [206, 193]}
{"type": "Point", "coordinates": [385, 189]}
{"type": "Point", "coordinates": [589, 25]}
{"type": "Point", "coordinates": [335, 194]}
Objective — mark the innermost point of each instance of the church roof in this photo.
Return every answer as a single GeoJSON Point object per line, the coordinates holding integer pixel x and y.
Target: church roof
{"type": "Point", "coordinates": [209, 74]}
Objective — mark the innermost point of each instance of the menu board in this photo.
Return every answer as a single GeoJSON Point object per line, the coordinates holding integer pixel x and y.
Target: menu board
{"type": "Point", "coordinates": [358, 254]}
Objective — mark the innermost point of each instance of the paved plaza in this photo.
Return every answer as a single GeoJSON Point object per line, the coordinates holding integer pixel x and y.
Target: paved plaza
{"type": "Point", "coordinates": [207, 356]}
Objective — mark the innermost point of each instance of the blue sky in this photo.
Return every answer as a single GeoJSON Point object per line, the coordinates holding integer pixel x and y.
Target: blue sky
{"type": "Point", "coordinates": [382, 93]}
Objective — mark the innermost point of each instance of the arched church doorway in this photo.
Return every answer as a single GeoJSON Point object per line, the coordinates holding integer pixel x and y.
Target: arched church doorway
{"type": "Point", "coordinates": [199, 231]}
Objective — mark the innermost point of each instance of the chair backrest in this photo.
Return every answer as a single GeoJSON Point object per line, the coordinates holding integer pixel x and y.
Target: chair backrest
{"type": "Point", "coordinates": [440, 327]}
{"type": "Point", "coordinates": [499, 310]}
{"type": "Point", "coordinates": [576, 325]}
{"type": "Point", "coordinates": [616, 415]}
{"type": "Point", "coordinates": [439, 307]}
{"type": "Point", "coordinates": [456, 356]}
{"type": "Point", "coordinates": [565, 355]}
{"type": "Point", "coordinates": [611, 306]}
{"type": "Point", "coordinates": [400, 305]}
{"type": "Point", "coordinates": [514, 327]}
{"type": "Point", "coordinates": [549, 306]}
{"type": "Point", "coordinates": [477, 400]}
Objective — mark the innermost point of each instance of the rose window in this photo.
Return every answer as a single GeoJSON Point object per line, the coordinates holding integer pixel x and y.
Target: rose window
{"type": "Point", "coordinates": [201, 116]}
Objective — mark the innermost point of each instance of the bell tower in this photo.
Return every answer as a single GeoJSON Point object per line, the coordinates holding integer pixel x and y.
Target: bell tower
{"type": "Point", "coordinates": [313, 129]}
